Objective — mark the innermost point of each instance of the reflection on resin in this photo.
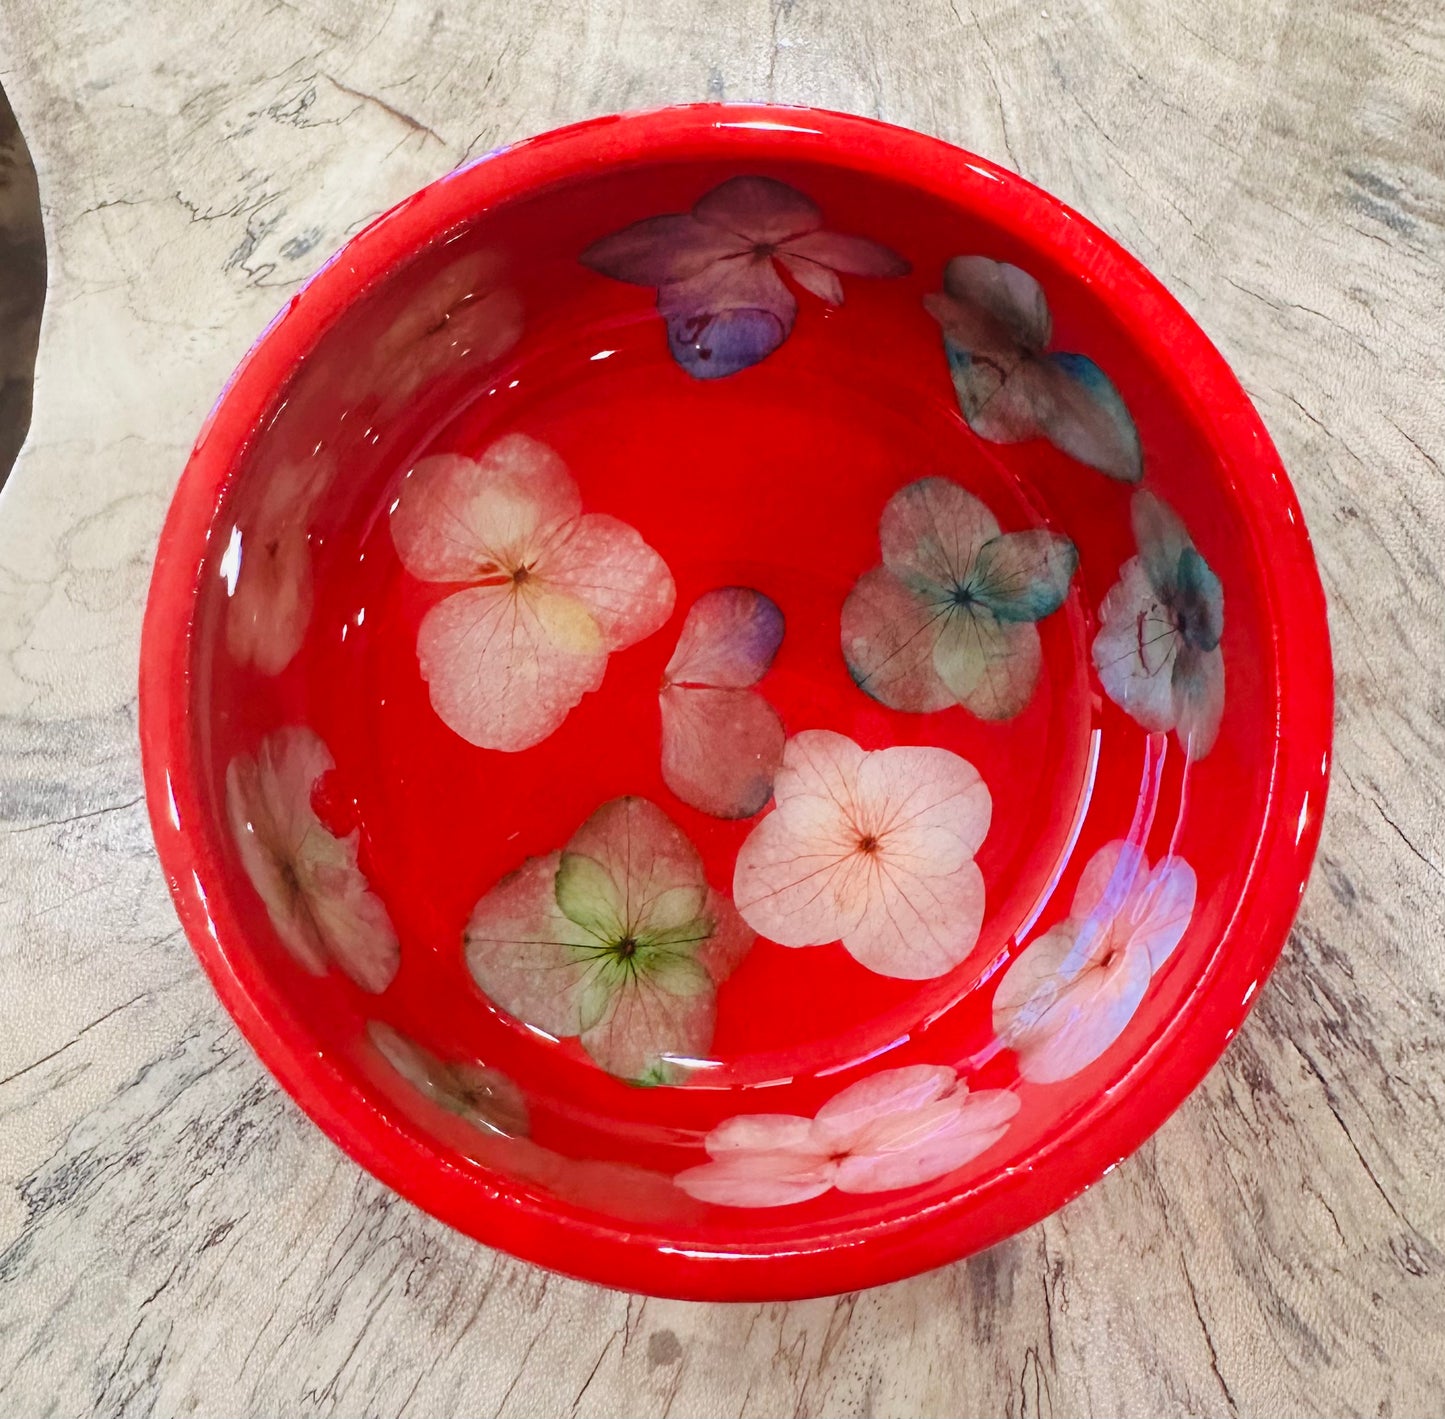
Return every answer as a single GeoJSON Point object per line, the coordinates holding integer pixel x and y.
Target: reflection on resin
{"type": "Point", "coordinates": [617, 939]}
{"type": "Point", "coordinates": [716, 270]}
{"type": "Point", "coordinates": [722, 741]}
{"type": "Point", "coordinates": [949, 616]}
{"type": "Point", "coordinates": [549, 591]}
{"type": "Point", "coordinates": [873, 849]}
{"type": "Point", "coordinates": [316, 895]}
{"type": "Point", "coordinates": [996, 325]}
{"type": "Point", "coordinates": [895, 1129]}
{"type": "Point", "coordinates": [1158, 653]}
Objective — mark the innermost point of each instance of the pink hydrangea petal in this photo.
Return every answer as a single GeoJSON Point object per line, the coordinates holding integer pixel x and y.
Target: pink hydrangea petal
{"type": "Point", "coordinates": [658, 250]}
{"type": "Point", "coordinates": [1160, 536]}
{"type": "Point", "coordinates": [730, 941]}
{"type": "Point", "coordinates": [915, 926]}
{"type": "Point", "coordinates": [271, 598]}
{"type": "Point", "coordinates": [815, 786]}
{"type": "Point", "coordinates": [807, 873]}
{"type": "Point", "coordinates": [988, 397]}
{"type": "Point", "coordinates": [477, 274]}
{"type": "Point", "coordinates": [456, 520]}
{"type": "Point", "coordinates": [480, 329]}
{"type": "Point", "coordinates": [1112, 877]}
{"type": "Point", "coordinates": [261, 809]}
{"type": "Point", "coordinates": [291, 762]}
{"type": "Point", "coordinates": [908, 1130]}
{"type": "Point", "coordinates": [931, 531]}
{"type": "Point", "coordinates": [728, 640]}
{"type": "Point", "coordinates": [973, 334]}
{"type": "Point", "coordinates": [931, 1143]}
{"type": "Point", "coordinates": [990, 666]}
{"type": "Point", "coordinates": [1197, 692]}
{"type": "Point", "coordinates": [1135, 648]}
{"type": "Point", "coordinates": [822, 282]}
{"type": "Point", "coordinates": [504, 664]}
{"type": "Point", "coordinates": [1035, 979]}
{"type": "Point", "coordinates": [658, 1014]}
{"type": "Point", "coordinates": [464, 312]}
{"type": "Point", "coordinates": [760, 209]}
{"type": "Point", "coordinates": [1003, 403]}
{"type": "Point", "coordinates": [927, 805]}
{"type": "Point", "coordinates": [1058, 1018]}
{"type": "Point", "coordinates": [607, 566]}
{"type": "Point", "coordinates": [647, 856]}
{"type": "Point", "coordinates": [507, 659]}
{"type": "Point", "coordinates": [764, 1133]}
{"type": "Point", "coordinates": [888, 635]}
{"type": "Point", "coordinates": [848, 1115]}
{"type": "Point", "coordinates": [349, 917]}
{"type": "Point", "coordinates": [267, 617]}
{"type": "Point", "coordinates": [522, 951]}
{"type": "Point", "coordinates": [1160, 910]}
{"type": "Point", "coordinates": [797, 889]}
{"type": "Point", "coordinates": [260, 842]}
{"type": "Point", "coordinates": [852, 255]}
{"type": "Point", "coordinates": [1081, 412]}
{"type": "Point", "coordinates": [1006, 304]}
{"type": "Point", "coordinates": [290, 493]}
{"type": "Point", "coordinates": [315, 893]}
{"type": "Point", "coordinates": [720, 749]}
{"type": "Point", "coordinates": [758, 1180]}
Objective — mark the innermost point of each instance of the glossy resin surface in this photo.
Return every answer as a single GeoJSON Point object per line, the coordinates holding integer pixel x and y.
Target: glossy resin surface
{"type": "Point", "coordinates": [736, 701]}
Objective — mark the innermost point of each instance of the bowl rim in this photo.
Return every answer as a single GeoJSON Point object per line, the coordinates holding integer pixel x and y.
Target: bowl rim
{"type": "Point", "coordinates": [556, 1234]}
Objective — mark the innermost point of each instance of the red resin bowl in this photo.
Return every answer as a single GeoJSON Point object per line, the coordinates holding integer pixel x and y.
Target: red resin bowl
{"type": "Point", "coordinates": [736, 701]}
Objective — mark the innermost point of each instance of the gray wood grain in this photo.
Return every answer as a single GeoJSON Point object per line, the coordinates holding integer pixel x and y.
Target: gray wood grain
{"type": "Point", "coordinates": [174, 1237]}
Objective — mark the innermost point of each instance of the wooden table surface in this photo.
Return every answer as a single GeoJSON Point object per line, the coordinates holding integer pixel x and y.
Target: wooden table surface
{"type": "Point", "coordinates": [176, 1238]}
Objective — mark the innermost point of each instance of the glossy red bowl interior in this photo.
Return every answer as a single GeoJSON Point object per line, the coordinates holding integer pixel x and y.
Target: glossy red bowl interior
{"type": "Point", "coordinates": [414, 631]}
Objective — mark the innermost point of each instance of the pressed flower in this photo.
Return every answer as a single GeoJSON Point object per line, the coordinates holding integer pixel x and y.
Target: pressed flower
{"type": "Point", "coordinates": [873, 849]}
{"type": "Point", "coordinates": [895, 1129]}
{"type": "Point", "coordinates": [484, 1097]}
{"type": "Point", "coordinates": [315, 893]}
{"type": "Point", "coordinates": [267, 566]}
{"type": "Point", "coordinates": [464, 315]}
{"type": "Point", "coordinates": [1069, 995]}
{"type": "Point", "coordinates": [996, 325]}
{"type": "Point", "coordinates": [548, 592]}
{"type": "Point", "coordinates": [617, 939]}
{"type": "Point", "coordinates": [716, 269]}
{"type": "Point", "coordinates": [949, 616]}
{"type": "Point", "coordinates": [1157, 652]}
{"type": "Point", "coordinates": [721, 740]}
